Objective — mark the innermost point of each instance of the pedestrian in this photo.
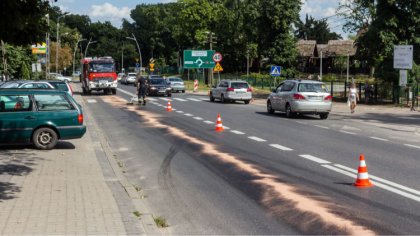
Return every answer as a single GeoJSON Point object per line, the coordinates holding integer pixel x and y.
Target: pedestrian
{"type": "Point", "coordinates": [142, 86]}
{"type": "Point", "coordinates": [353, 97]}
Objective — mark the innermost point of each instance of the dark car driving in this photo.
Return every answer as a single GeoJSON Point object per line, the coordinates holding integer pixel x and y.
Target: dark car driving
{"type": "Point", "coordinates": [159, 86]}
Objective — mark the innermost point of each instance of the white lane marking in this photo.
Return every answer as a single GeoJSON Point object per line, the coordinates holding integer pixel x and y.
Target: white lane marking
{"type": "Point", "coordinates": [91, 101]}
{"type": "Point", "coordinates": [315, 159]}
{"type": "Point", "coordinates": [278, 146]}
{"type": "Point", "coordinates": [193, 99]}
{"type": "Point", "coordinates": [204, 99]}
{"type": "Point", "coordinates": [180, 99]}
{"type": "Point", "coordinates": [320, 126]}
{"type": "Point", "coordinates": [237, 132]}
{"type": "Point", "coordinates": [375, 183]}
{"type": "Point", "coordinates": [165, 99]}
{"type": "Point", "coordinates": [180, 111]}
{"type": "Point", "coordinates": [126, 92]}
{"type": "Point", "coordinates": [208, 122]}
{"type": "Point", "coordinates": [414, 146]}
{"type": "Point", "coordinates": [257, 139]}
{"type": "Point", "coordinates": [188, 114]}
{"type": "Point", "coordinates": [347, 132]}
{"type": "Point", "coordinates": [381, 139]}
{"type": "Point", "coordinates": [198, 118]}
{"type": "Point", "coordinates": [225, 127]}
{"type": "Point", "coordinates": [381, 180]}
{"type": "Point", "coordinates": [173, 109]}
{"type": "Point", "coordinates": [151, 99]}
{"type": "Point", "coordinates": [301, 122]}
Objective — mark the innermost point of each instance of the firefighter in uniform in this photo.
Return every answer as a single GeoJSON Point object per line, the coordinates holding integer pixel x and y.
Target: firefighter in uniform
{"type": "Point", "coordinates": [142, 86]}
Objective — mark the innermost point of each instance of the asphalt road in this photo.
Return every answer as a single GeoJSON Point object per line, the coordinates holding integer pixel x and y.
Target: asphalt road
{"type": "Point", "coordinates": [265, 174]}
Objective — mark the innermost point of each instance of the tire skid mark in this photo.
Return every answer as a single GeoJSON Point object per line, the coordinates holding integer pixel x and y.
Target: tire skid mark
{"type": "Point", "coordinates": [281, 199]}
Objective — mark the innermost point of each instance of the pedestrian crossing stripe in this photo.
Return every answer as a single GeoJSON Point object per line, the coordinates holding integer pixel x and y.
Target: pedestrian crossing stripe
{"type": "Point", "coordinates": [218, 68]}
{"type": "Point", "coordinates": [275, 71]}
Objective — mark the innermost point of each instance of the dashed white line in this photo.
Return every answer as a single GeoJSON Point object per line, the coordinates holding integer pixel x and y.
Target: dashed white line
{"type": "Point", "coordinates": [208, 122]}
{"type": "Point", "coordinates": [151, 99]}
{"type": "Point", "coordinates": [257, 139]}
{"type": "Point", "coordinates": [198, 118]}
{"type": "Point", "coordinates": [320, 126]}
{"type": "Point", "coordinates": [165, 99]}
{"type": "Point", "coordinates": [180, 99]}
{"type": "Point", "coordinates": [301, 122]}
{"type": "Point", "coordinates": [237, 132]}
{"type": "Point", "coordinates": [225, 127]}
{"type": "Point", "coordinates": [193, 99]}
{"type": "Point", "coordinates": [188, 114]}
{"type": "Point", "coordinates": [347, 132]}
{"type": "Point", "coordinates": [414, 146]}
{"type": "Point", "coordinates": [278, 146]}
{"type": "Point", "coordinates": [381, 139]}
{"type": "Point", "coordinates": [179, 111]}
{"type": "Point", "coordinates": [381, 180]}
{"type": "Point", "coordinates": [91, 101]}
{"type": "Point", "coordinates": [315, 159]}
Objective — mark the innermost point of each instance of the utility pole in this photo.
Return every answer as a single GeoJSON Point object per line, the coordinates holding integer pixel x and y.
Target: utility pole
{"type": "Point", "coordinates": [320, 66]}
{"type": "Point", "coordinates": [347, 78]}
{"type": "Point", "coordinates": [47, 56]}
{"type": "Point", "coordinates": [211, 48]}
{"type": "Point", "coordinates": [122, 58]}
{"type": "Point", "coordinates": [247, 63]}
{"type": "Point", "coordinates": [138, 48]}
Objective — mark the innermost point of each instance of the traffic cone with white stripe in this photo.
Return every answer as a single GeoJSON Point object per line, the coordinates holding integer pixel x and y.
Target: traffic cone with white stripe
{"type": "Point", "coordinates": [169, 107]}
{"type": "Point", "coordinates": [362, 180]}
{"type": "Point", "coordinates": [219, 125]}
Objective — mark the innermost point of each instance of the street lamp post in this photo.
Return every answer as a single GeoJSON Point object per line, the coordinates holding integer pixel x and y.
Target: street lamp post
{"type": "Point", "coordinates": [58, 41]}
{"type": "Point", "coordinates": [74, 53]}
{"type": "Point", "coordinates": [90, 42]}
{"type": "Point", "coordinates": [138, 48]}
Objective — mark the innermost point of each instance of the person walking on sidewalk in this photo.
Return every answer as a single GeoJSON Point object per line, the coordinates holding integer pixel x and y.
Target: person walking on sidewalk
{"type": "Point", "coordinates": [353, 97]}
{"type": "Point", "coordinates": [142, 86]}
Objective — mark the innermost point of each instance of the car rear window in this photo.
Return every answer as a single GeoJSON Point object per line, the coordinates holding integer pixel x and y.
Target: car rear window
{"type": "Point", "coordinates": [52, 102]}
{"type": "Point", "coordinates": [158, 81]}
{"type": "Point", "coordinates": [312, 87]}
{"type": "Point", "coordinates": [239, 85]}
{"type": "Point", "coordinates": [60, 86]}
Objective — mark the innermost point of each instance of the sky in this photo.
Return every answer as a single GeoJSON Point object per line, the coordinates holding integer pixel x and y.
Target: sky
{"type": "Point", "coordinates": [115, 10]}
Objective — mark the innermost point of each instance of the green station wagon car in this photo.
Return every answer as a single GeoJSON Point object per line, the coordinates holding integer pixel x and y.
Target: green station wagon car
{"type": "Point", "coordinates": [41, 117]}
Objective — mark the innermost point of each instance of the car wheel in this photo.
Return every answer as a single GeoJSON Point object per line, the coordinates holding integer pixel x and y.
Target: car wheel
{"type": "Point", "coordinates": [222, 99]}
{"type": "Point", "coordinates": [169, 94]}
{"type": "Point", "coordinates": [183, 91]}
{"type": "Point", "coordinates": [289, 112]}
{"type": "Point", "coordinates": [246, 101]}
{"type": "Point", "coordinates": [270, 108]}
{"type": "Point", "coordinates": [323, 116]}
{"type": "Point", "coordinates": [211, 97]}
{"type": "Point", "coordinates": [114, 91]}
{"type": "Point", "coordinates": [83, 90]}
{"type": "Point", "coordinates": [45, 138]}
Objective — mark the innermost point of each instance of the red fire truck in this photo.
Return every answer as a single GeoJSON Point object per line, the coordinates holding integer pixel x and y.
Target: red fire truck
{"type": "Point", "coordinates": [99, 74]}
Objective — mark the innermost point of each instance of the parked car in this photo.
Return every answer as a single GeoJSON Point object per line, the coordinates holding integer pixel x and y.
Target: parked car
{"type": "Point", "coordinates": [231, 90]}
{"type": "Point", "coordinates": [57, 76]}
{"type": "Point", "coordinates": [300, 97]}
{"type": "Point", "coordinates": [76, 73]}
{"type": "Point", "coordinates": [40, 117]}
{"type": "Point", "coordinates": [39, 84]}
{"type": "Point", "coordinates": [120, 76]}
{"type": "Point", "coordinates": [177, 84]}
{"type": "Point", "coordinates": [159, 86]}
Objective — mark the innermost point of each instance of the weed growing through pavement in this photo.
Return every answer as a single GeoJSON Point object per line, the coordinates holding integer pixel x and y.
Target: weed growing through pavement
{"type": "Point", "coordinates": [160, 222]}
{"type": "Point", "coordinates": [137, 214]}
{"type": "Point", "coordinates": [120, 164]}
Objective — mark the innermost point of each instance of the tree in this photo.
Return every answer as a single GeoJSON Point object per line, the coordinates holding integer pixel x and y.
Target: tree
{"type": "Point", "coordinates": [15, 56]}
{"type": "Point", "coordinates": [358, 14]}
{"type": "Point", "coordinates": [23, 21]}
{"type": "Point", "coordinates": [317, 30]}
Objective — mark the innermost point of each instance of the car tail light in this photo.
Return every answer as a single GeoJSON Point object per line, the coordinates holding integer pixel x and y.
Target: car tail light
{"type": "Point", "coordinates": [328, 98]}
{"type": "Point", "coordinates": [230, 89]}
{"type": "Point", "coordinates": [80, 118]}
{"type": "Point", "coordinates": [249, 90]}
{"type": "Point", "coordinates": [71, 89]}
{"type": "Point", "coordinates": [298, 96]}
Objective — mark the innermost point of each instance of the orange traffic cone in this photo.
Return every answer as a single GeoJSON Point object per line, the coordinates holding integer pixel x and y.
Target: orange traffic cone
{"type": "Point", "coordinates": [169, 107]}
{"type": "Point", "coordinates": [219, 126]}
{"type": "Point", "coordinates": [362, 180]}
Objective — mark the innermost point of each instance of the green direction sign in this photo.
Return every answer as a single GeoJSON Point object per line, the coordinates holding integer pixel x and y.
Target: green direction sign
{"type": "Point", "coordinates": [198, 59]}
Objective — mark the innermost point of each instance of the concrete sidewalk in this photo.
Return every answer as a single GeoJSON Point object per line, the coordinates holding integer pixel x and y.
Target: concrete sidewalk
{"type": "Point", "coordinates": [69, 190]}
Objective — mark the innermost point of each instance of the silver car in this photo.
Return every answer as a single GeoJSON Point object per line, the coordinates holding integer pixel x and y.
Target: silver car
{"type": "Point", "coordinates": [232, 90]}
{"type": "Point", "coordinates": [177, 84]}
{"type": "Point", "coordinates": [300, 97]}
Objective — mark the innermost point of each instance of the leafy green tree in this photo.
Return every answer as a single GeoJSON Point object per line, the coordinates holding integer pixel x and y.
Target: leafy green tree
{"type": "Point", "coordinates": [16, 56]}
{"type": "Point", "coordinates": [313, 29]}
{"type": "Point", "coordinates": [24, 71]}
{"type": "Point", "coordinates": [23, 21]}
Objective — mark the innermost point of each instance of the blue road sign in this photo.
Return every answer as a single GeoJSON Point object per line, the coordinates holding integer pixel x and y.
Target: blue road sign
{"type": "Point", "coordinates": [137, 65]}
{"type": "Point", "coordinates": [275, 70]}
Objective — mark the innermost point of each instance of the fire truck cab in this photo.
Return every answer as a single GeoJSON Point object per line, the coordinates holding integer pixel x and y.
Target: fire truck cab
{"type": "Point", "coordinates": [99, 74]}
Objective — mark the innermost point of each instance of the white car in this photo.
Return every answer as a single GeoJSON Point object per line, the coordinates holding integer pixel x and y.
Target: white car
{"type": "Point", "coordinates": [232, 90]}
{"type": "Point", "coordinates": [59, 77]}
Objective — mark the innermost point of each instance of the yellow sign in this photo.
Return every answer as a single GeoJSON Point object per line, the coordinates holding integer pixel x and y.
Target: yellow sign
{"type": "Point", "coordinates": [218, 68]}
{"type": "Point", "coordinates": [39, 48]}
{"type": "Point", "coordinates": [152, 65]}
